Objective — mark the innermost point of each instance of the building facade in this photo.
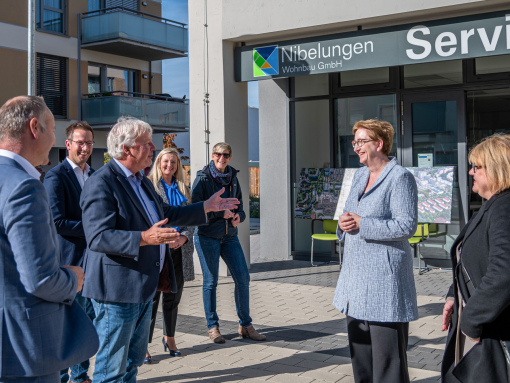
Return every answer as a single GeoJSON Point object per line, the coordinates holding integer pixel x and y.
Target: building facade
{"type": "Point", "coordinates": [439, 71]}
{"type": "Point", "coordinates": [96, 60]}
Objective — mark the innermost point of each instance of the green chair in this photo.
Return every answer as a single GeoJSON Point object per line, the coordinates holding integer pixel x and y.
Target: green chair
{"type": "Point", "coordinates": [434, 231]}
{"type": "Point", "coordinates": [422, 233]}
{"type": "Point", "coordinates": [329, 226]}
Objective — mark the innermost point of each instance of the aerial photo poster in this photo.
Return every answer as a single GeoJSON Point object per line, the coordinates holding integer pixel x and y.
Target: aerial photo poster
{"type": "Point", "coordinates": [435, 192]}
{"type": "Point", "coordinates": [320, 189]}
{"type": "Point", "coordinates": [322, 193]}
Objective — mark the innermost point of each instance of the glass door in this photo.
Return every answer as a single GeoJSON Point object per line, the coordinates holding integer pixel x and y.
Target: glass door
{"type": "Point", "coordinates": [434, 135]}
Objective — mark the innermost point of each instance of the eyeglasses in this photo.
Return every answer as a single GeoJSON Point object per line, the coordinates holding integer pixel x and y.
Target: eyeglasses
{"type": "Point", "coordinates": [476, 167]}
{"type": "Point", "coordinates": [83, 143]}
{"type": "Point", "coordinates": [359, 143]}
{"type": "Point", "coordinates": [225, 155]}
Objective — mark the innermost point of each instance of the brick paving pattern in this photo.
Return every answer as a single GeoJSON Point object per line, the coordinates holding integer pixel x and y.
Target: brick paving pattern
{"type": "Point", "coordinates": [307, 338]}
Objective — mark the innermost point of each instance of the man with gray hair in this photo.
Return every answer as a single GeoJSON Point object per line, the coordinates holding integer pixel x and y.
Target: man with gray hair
{"type": "Point", "coordinates": [43, 329]}
{"type": "Point", "coordinates": [127, 253]}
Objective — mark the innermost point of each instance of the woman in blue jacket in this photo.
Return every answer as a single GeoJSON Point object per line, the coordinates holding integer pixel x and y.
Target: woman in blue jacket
{"type": "Point", "coordinates": [376, 288]}
{"type": "Point", "coordinates": [219, 239]}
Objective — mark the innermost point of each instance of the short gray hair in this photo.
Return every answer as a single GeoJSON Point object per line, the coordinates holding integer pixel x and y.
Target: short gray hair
{"type": "Point", "coordinates": [124, 133]}
{"type": "Point", "coordinates": [16, 114]}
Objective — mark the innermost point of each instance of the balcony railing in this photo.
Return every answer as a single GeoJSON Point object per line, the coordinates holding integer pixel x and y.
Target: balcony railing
{"type": "Point", "coordinates": [125, 32]}
{"type": "Point", "coordinates": [164, 114]}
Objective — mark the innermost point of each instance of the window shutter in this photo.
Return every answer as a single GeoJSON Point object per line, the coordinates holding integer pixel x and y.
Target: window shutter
{"type": "Point", "coordinates": [129, 4]}
{"type": "Point", "coordinates": [52, 83]}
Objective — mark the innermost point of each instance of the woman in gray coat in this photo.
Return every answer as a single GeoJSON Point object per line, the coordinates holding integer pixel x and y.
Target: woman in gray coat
{"type": "Point", "coordinates": [376, 288]}
{"type": "Point", "coordinates": [167, 176]}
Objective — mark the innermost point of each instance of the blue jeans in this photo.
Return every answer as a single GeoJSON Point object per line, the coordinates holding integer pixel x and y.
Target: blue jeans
{"type": "Point", "coordinates": [79, 371]}
{"type": "Point", "coordinates": [229, 249]}
{"type": "Point", "coordinates": [123, 330]}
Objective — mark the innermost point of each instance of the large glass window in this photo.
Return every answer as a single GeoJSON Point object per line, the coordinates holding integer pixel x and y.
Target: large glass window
{"type": "Point", "coordinates": [96, 5]}
{"type": "Point", "coordinates": [488, 112]}
{"type": "Point", "coordinates": [312, 148]}
{"type": "Point", "coordinates": [365, 77]}
{"type": "Point", "coordinates": [102, 78]}
{"type": "Point", "coordinates": [435, 132]}
{"type": "Point", "coordinates": [51, 15]}
{"type": "Point", "coordinates": [433, 74]}
{"type": "Point", "coordinates": [350, 110]}
{"type": "Point", "coordinates": [492, 64]}
{"type": "Point", "coordinates": [314, 85]}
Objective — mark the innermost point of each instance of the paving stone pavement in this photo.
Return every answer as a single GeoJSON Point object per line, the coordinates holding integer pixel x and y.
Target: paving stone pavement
{"type": "Point", "coordinates": [306, 335]}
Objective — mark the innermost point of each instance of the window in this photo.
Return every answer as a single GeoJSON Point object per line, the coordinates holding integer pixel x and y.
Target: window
{"type": "Point", "coordinates": [51, 16]}
{"type": "Point", "coordinates": [102, 78]}
{"type": "Point", "coordinates": [96, 5]}
{"type": "Point", "coordinates": [52, 83]}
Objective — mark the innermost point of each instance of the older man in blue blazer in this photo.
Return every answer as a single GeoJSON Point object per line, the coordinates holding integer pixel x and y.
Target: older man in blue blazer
{"type": "Point", "coordinates": [123, 219]}
{"type": "Point", "coordinates": [43, 329]}
{"type": "Point", "coordinates": [64, 184]}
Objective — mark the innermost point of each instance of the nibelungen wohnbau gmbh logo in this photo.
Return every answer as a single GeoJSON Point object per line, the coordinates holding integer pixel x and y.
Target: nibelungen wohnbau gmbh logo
{"type": "Point", "coordinates": [265, 61]}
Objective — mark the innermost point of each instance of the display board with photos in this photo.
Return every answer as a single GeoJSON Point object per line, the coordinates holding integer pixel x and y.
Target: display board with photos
{"type": "Point", "coordinates": [322, 193]}
{"type": "Point", "coordinates": [320, 189]}
{"type": "Point", "coordinates": [435, 193]}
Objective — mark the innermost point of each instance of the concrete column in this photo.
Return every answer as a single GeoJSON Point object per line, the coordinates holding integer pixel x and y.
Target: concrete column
{"type": "Point", "coordinates": [228, 108]}
{"type": "Point", "coordinates": [275, 188]}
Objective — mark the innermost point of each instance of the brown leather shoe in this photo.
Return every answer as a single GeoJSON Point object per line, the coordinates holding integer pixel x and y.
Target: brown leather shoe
{"type": "Point", "coordinates": [216, 337]}
{"type": "Point", "coordinates": [250, 332]}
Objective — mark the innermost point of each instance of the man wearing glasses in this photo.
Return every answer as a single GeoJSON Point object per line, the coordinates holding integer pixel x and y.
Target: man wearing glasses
{"type": "Point", "coordinates": [64, 184]}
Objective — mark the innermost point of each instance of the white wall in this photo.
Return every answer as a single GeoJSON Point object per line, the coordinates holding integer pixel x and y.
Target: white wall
{"type": "Point", "coordinates": [247, 21]}
{"type": "Point", "coordinates": [274, 166]}
{"type": "Point", "coordinates": [228, 110]}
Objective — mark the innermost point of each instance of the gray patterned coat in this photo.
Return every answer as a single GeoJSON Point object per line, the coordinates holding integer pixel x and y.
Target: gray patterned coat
{"type": "Point", "coordinates": [187, 249]}
{"type": "Point", "coordinates": [376, 282]}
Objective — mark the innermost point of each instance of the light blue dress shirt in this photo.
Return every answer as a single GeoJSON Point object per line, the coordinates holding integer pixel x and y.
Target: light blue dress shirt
{"type": "Point", "coordinates": [135, 180]}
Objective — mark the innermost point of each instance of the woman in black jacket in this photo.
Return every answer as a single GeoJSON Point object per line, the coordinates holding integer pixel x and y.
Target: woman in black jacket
{"type": "Point", "coordinates": [219, 239]}
{"type": "Point", "coordinates": [477, 310]}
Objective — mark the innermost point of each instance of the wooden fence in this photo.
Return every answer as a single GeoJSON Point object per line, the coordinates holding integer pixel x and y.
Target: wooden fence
{"type": "Point", "coordinates": [254, 179]}
{"type": "Point", "coordinates": [254, 182]}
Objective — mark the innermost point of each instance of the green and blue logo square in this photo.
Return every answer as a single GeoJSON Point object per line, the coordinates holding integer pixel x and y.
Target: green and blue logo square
{"type": "Point", "coordinates": [265, 61]}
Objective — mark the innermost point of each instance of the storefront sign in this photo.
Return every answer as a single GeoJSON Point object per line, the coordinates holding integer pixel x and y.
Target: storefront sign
{"type": "Point", "coordinates": [440, 40]}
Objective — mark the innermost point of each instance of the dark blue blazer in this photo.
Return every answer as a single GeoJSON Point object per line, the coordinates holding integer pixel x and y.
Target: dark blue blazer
{"type": "Point", "coordinates": [117, 268]}
{"type": "Point", "coordinates": [43, 330]}
{"type": "Point", "coordinates": [64, 192]}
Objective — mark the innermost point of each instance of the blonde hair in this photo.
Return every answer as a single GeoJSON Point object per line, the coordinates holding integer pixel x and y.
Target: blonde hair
{"type": "Point", "coordinates": [493, 153]}
{"type": "Point", "coordinates": [156, 174]}
{"type": "Point", "coordinates": [377, 130]}
{"type": "Point", "coordinates": [222, 146]}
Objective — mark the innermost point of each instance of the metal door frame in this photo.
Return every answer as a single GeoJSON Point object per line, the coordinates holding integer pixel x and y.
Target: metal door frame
{"type": "Point", "coordinates": [406, 128]}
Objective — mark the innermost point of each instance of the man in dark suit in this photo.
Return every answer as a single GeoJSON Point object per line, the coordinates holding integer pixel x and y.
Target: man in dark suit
{"type": "Point", "coordinates": [64, 184]}
{"type": "Point", "coordinates": [43, 329]}
{"type": "Point", "coordinates": [123, 219]}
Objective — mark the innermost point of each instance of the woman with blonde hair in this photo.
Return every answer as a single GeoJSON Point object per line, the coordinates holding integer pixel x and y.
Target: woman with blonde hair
{"type": "Point", "coordinates": [477, 308]}
{"type": "Point", "coordinates": [167, 176]}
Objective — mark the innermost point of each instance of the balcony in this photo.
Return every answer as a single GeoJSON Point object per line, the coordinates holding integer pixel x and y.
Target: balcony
{"type": "Point", "coordinates": [164, 114]}
{"type": "Point", "coordinates": [124, 32]}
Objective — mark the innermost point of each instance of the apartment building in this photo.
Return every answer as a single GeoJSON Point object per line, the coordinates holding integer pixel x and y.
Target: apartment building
{"type": "Point", "coordinates": [96, 60]}
{"type": "Point", "coordinates": [438, 70]}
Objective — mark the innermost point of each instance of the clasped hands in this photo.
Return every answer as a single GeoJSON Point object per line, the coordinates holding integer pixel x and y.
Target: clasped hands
{"type": "Point", "coordinates": [348, 222]}
{"type": "Point", "coordinates": [236, 219]}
